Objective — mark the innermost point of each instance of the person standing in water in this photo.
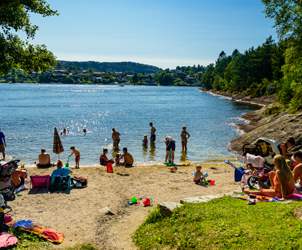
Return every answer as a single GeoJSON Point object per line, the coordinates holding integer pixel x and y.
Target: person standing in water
{"type": "Point", "coordinates": [115, 139]}
{"type": "Point", "coordinates": [184, 135]}
{"type": "Point", "coordinates": [152, 134]}
{"type": "Point", "coordinates": [170, 149]}
{"type": "Point", "coordinates": [2, 144]}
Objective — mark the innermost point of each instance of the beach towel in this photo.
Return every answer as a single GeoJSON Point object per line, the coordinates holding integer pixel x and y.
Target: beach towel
{"type": "Point", "coordinates": [295, 196]}
{"type": "Point", "coordinates": [7, 240]}
{"type": "Point", "coordinates": [23, 224]}
{"type": "Point", "coordinates": [48, 234]}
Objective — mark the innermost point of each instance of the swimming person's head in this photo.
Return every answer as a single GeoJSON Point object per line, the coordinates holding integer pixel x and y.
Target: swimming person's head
{"type": "Point", "coordinates": [43, 151]}
{"type": "Point", "coordinates": [105, 151]}
{"type": "Point", "coordinates": [125, 150]}
{"type": "Point", "coordinates": [59, 164]}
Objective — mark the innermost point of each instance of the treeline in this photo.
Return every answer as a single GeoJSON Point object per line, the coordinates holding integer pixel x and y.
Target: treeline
{"type": "Point", "coordinates": [272, 68]}
{"type": "Point", "coordinates": [255, 72]}
{"type": "Point", "coordinates": [122, 67]}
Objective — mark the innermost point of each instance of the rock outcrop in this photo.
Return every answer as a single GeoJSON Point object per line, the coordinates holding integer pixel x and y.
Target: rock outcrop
{"type": "Point", "coordinates": [279, 127]}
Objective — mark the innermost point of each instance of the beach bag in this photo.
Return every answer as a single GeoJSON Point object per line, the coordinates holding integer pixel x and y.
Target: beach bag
{"type": "Point", "coordinates": [79, 182]}
{"type": "Point", "coordinates": [8, 194]}
{"type": "Point", "coordinates": [109, 168]}
{"type": "Point", "coordinates": [60, 184]}
{"type": "Point", "coordinates": [239, 172]}
{"type": "Point", "coordinates": [40, 181]}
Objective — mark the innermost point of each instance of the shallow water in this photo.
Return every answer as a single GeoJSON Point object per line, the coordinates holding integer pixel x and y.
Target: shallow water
{"type": "Point", "coordinates": [29, 114]}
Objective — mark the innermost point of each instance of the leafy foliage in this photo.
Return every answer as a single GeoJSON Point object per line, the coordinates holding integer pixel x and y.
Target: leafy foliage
{"type": "Point", "coordinates": [18, 53]}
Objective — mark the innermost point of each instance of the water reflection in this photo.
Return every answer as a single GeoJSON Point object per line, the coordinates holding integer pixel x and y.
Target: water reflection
{"type": "Point", "coordinates": [152, 152]}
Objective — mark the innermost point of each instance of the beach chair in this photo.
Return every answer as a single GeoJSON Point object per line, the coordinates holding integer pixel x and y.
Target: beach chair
{"type": "Point", "coordinates": [39, 181]}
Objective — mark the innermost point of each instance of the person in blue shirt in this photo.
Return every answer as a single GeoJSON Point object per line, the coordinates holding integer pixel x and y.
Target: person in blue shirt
{"type": "Point", "coordinates": [2, 144]}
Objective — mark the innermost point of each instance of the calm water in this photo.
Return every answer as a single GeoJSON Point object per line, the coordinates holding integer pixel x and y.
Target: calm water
{"type": "Point", "coordinates": [30, 112]}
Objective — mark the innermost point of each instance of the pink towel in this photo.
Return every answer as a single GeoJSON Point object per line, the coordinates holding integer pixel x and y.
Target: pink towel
{"type": "Point", "coordinates": [7, 240]}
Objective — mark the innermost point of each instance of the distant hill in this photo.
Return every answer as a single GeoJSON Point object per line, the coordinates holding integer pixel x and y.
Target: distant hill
{"type": "Point", "coordinates": [130, 67]}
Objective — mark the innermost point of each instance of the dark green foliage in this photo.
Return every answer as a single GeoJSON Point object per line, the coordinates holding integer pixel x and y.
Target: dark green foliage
{"type": "Point", "coordinates": [17, 53]}
{"type": "Point", "coordinates": [225, 223]}
{"type": "Point", "coordinates": [129, 67]}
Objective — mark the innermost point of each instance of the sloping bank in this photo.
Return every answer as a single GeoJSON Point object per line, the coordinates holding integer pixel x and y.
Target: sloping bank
{"type": "Point", "coordinates": [267, 121]}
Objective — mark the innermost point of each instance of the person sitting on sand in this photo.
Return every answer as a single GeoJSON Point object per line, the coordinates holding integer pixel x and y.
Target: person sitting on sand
{"type": "Point", "coordinates": [18, 179]}
{"type": "Point", "coordinates": [145, 141]}
{"type": "Point", "coordinates": [298, 167]}
{"type": "Point", "coordinates": [77, 156]}
{"type": "Point", "coordinates": [104, 159]}
{"type": "Point", "coordinates": [281, 179]}
{"type": "Point", "coordinates": [60, 170]}
{"type": "Point", "coordinates": [117, 159]}
{"type": "Point", "coordinates": [199, 176]}
{"type": "Point", "coordinates": [127, 159]}
{"type": "Point", "coordinates": [44, 160]}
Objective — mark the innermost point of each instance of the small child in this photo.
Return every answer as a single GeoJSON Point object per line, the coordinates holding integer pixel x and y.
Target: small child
{"type": "Point", "coordinates": [77, 156]}
{"type": "Point", "coordinates": [145, 141]}
{"type": "Point", "coordinates": [199, 176]}
{"type": "Point", "coordinates": [117, 159]}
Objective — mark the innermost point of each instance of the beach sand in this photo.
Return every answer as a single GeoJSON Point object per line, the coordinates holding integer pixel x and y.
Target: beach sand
{"type": "Point", "coordinates": [79, 214]}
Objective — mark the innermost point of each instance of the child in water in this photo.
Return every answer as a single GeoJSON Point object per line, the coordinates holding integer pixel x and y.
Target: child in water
{"type": "Point", "coordinates": [145, 141]}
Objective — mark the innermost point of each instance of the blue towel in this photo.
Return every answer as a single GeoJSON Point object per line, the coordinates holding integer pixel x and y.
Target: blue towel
{"type": "Point", "coordinates": [24, 224]}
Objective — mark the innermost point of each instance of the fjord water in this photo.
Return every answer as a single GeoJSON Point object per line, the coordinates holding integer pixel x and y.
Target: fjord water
{"type": "Point", "coordinates": [29, 114]}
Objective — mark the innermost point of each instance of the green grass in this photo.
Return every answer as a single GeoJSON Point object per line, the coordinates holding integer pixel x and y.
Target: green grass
{"type": "Point", "coordinates": [225, 223]}
{"type": "Point", "coordinates": [33, 242]}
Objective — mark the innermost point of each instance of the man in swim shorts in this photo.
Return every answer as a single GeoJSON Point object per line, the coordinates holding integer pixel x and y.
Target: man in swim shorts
{"type": "Point", "coordinates": [184, 139]}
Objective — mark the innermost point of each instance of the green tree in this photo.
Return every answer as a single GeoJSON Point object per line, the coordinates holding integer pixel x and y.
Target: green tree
{"type": "Point", "coordinates": [288, 22]}
{"type": "Point", "coordinates": [18, 53]}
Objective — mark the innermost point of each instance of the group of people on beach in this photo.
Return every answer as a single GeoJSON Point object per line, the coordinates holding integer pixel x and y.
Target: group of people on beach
{"type": "Point", "coordinates": [125, 159]}
{"type": "Point", "coordinates": [286, 176]}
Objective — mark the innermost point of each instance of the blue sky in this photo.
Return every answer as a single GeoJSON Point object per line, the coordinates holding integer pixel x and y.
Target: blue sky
{"type": "Point", "coordinates": [165, 33]}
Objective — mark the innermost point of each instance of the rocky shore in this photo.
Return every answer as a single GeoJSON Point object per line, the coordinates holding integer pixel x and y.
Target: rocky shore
{"type": "Point", "coordinates": [268, 121]}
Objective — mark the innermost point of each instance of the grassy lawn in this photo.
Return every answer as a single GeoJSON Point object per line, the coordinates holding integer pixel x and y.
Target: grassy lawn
{"type": "Point", "coordinates": [225, 223]}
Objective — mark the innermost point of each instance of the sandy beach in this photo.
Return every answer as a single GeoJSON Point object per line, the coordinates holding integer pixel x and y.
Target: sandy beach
{"type": "Point", "coordinates": [79, 214]}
